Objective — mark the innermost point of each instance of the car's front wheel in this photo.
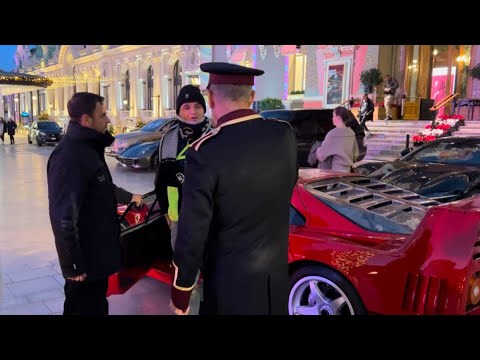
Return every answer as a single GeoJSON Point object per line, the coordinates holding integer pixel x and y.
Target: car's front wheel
{"type": "Point", "coordinates": [318, 290]}
{"type": "Point", "coordinates": [155, 161]}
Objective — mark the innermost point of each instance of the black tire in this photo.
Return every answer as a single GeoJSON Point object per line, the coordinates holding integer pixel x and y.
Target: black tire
{"type": "Point", "coordinates": [39, 143]}
{"type": "Point", "coordinates": [155, 161]}
{"type": "Point", "coordinates": [336, 295]}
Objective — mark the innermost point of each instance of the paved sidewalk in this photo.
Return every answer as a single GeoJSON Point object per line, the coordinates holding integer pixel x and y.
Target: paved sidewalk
{"type": "Point", "coordinates": [30, 278]}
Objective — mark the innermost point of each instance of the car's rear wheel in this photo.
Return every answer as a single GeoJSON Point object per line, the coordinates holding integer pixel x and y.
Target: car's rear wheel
{"type": "Point", "coordinates": [318, 290]}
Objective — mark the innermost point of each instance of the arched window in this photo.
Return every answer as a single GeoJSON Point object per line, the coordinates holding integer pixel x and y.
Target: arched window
{"type": "Point", "coordinates": [177, 79]}
{"type": "Point", "coordinates": [127, 90]}
{"type": "Point", "coordinates": [150, 88]}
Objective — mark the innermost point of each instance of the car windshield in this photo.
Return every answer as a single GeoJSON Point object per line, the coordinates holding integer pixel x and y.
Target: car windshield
{"type": "Point", "coordinates": [372, 204]}
{"type": "Point", "coordinates": [154, 125]}
{"type": "Point", "coordinates": [466, 153]}
{"type": "Point", "coordinates": [48, 125]}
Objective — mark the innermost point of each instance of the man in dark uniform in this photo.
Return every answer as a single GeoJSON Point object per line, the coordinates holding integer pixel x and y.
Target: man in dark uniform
{"type": "Point", "coordinates": [234, 218]}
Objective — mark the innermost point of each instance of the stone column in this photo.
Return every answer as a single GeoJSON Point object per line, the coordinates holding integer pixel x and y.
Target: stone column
{"type": "Point", "coordinates": [57, 101]}
{"type": "Point", "coordinates": [158, 73]}
{"type": "Point", "coordinates": [67, 94]}
{"type": "Point", "coordinates": [133, 67]}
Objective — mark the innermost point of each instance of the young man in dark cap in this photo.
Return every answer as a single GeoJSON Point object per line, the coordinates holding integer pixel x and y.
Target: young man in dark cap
{"type": "Point", "coordinates": [190, 124]}
{"type": "Point", "coordinates": [234, 221]}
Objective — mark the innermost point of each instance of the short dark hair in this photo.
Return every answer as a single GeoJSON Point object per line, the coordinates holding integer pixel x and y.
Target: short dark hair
{"type": "Point", "coordinates": [82, 103]}
{"type": "Point", "coordinates": [343, 113]}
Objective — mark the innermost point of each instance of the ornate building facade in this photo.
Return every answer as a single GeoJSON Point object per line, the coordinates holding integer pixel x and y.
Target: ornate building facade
{"type": "Point", "coordinates": [137, 81]}
{"type": "Point", "coordinates": [142, 81]}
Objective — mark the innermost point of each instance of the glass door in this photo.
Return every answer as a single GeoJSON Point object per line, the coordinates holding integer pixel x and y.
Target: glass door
{"type": "Point", "coordinates": [449, 72]}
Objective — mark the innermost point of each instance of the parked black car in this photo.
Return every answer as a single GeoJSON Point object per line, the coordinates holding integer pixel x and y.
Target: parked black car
{"type": "Point", "coordinates": [44, 132]}
{"type": "Point", "coordinates": [312, 125]}
{"type": "Point", "coordinates": [445, 169]}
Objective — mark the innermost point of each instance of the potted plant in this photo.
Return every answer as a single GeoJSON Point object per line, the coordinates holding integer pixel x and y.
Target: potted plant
{"type": "Point", "coordinates": [475, 72]}
{"type": "Point", "coordinates": [111, 129]}
{"type": "Point", "coordinates": [43, 116]}
{"type": "Point", "coordinates": [271, 103]}
{"type": "Point", "coordinates": [370, 78]}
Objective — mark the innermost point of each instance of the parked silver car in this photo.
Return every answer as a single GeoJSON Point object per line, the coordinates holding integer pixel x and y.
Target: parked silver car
{"type": "Point", "coordinates": [150, 132]}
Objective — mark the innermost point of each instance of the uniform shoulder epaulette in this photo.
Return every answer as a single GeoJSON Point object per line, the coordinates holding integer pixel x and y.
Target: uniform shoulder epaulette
{"type": "Point", "coordinates": [208, 135]}
{"type": "Point", "coordinates": [282, 121]}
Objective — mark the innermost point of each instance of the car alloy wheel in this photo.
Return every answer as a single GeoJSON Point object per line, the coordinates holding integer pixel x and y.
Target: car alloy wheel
{"type": "Point", "coordinates": [316, 290]}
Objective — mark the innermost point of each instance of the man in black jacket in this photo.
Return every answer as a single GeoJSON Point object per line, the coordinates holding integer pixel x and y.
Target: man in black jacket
{"type": "Point", "coordinates": [83, 207]}
{"type": "Point", "coordinates": [234, 218]}
{"type": "Point", "coordinates": [366, 112]}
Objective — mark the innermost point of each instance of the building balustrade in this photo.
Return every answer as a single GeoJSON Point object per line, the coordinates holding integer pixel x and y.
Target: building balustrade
{"type": "Point", "coordinates": [170, 113]}
{"type": "Point", "coordinates": [147, 113]}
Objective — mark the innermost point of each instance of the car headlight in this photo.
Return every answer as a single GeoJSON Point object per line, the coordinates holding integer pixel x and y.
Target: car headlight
{"type": "Point", "coordinates": [42, 133]}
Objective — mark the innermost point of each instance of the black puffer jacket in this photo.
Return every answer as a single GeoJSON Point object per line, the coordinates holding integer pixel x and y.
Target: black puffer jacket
{"type": "Point", "coordinates": [83, 204]}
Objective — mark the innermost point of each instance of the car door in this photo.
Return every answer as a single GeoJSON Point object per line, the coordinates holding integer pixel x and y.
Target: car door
{"type": "Point", "coordinates": [145, 243]}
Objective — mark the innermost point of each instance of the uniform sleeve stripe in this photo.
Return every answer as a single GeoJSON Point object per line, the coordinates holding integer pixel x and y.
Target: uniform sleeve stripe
{"type": "Point", "coordinates": [202, 139]}
{"type": "Point", "coordinates": [215, 131]}
{"type": "Point", "coordinates": [175, 280]}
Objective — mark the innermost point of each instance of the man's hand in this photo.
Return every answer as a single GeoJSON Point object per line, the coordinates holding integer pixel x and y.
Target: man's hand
{"type": "Point", "coordinates": [137, 199]}
{"type": "Point", "coordinates": [78, 278]}
{"type": "Point", "coordinates": [177, 311]}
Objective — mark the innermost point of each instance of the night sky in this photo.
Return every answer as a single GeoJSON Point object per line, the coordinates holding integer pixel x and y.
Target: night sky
{"type": "Point", "coordinates": [6, 57]}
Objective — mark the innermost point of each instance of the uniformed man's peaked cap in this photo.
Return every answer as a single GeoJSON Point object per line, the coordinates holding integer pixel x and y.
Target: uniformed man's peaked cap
{"type": "Point", "coordinates": [226, 73]}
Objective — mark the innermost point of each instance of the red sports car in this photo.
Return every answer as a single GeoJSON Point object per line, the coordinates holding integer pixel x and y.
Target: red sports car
{"type": "Point", "coordinates": [357, 246]}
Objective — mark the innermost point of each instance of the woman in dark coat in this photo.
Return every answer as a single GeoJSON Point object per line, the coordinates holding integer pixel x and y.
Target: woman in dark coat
{"type": "Point", "coordinates": [11, 126]}
{"type": "Point", "coordinates": [3, 129]}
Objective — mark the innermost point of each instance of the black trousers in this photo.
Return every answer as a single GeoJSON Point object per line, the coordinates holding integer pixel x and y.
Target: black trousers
{"type": "Point", "coordinates": [12, 139]}
{"type": "Point", "coordinates": [363, 121]}
{"type": "Point", "coordinates": [86, 298]}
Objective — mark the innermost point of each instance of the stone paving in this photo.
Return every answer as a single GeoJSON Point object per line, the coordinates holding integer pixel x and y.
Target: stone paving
{"type": "Point", "coordinates": [30, 279]}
